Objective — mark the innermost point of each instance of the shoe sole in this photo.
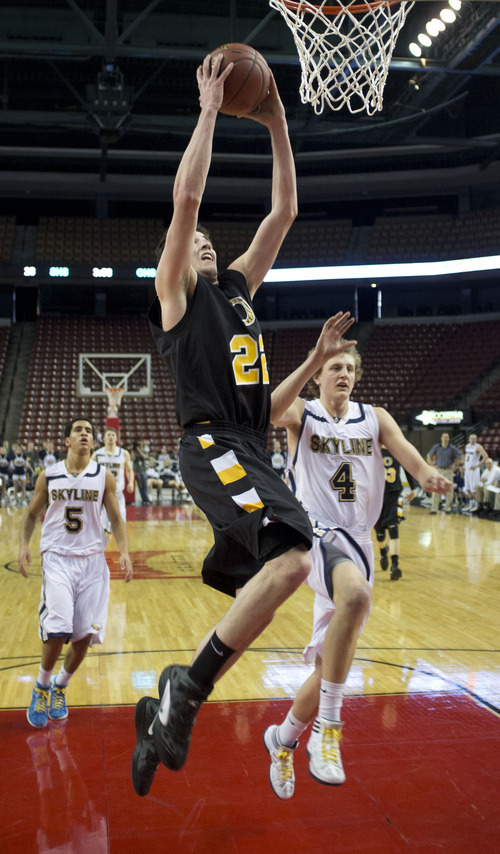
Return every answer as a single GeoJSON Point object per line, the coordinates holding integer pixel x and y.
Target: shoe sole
{"type": "Point", "coordinates": [141, 786]}
{"type": "Point", "coordinates": [59, 718]}
{"type": "Point", "coordinates": [326, 782]}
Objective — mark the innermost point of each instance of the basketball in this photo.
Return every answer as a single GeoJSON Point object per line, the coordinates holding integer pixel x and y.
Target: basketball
{"type": "Point", "coordinates": [248, 82]}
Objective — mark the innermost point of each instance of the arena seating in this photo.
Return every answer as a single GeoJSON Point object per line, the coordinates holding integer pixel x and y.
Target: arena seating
{"type": "Point", "coordinates": [120, 241]}
{"type": "Point", "coordinates": [87, 240]}
{"type": "Point", "coordinates": [7, 230]}
{"type": "Point", "coordinates": [51, 395]}
{"type": "Point", "coordinates": [51, 391]}
{"type": "Point", "coordinates": [490, 440]}
{"type": "Point", "coordinates": [435, 237]}
{"type": "Point", "coordinates": [4, 343]}
{"type": "Point", "coordinates": [414, 366]}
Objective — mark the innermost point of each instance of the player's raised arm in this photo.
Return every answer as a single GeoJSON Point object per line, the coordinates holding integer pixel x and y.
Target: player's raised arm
{"type": "Point", "coordinates": [286, 407]}
{"type": "Point", "coordinates": [256, 262]}
{"type": "Point", "coordinates": [176, 277]}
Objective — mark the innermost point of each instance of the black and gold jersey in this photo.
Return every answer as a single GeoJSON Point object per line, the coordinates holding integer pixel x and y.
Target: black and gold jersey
{"type": "Point", "coordinates": [216, 356]}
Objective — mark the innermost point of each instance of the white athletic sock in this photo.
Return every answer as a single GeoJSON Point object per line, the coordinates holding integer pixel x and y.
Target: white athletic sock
{"type": "Point", "coordinates": [330, 700]}
{"type": "Point", "coordinates": [44, 677]}
{"type": "Point", "coordinates": [290, 730]}
{"type": "Point", "coordinates": [63, 677]}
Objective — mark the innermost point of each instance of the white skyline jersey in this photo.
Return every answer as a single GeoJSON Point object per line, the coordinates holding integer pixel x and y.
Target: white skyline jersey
{"type": "Point", "coordinates": [471, 458]}
{"type": "Point", "coordinates": [72, 523]}
{"type": "Point", "coordinates": [471, 455]}
{"type": "Point", "coordinates": [337, 471]}
{"type": "Point", "coordinates": [115, 463]}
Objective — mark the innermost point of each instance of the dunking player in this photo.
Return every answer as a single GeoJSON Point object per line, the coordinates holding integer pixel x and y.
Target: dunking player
{"type": "Point", "coordinates": [117, 461]}
{"type": "Point", "coordinates": [206, 330]}
{"type": "Point", "coordinates": [75, 589]}
{"type": "Point", "coordinates": [390, 516]}
{"type": "Point", "coordinates": [338, 474]}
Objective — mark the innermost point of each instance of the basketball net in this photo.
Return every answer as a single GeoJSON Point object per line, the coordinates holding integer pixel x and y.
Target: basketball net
{"type": "Point", "coordinates": [114, 399]}
{"type": "Point", "coordinates": [344, 50]}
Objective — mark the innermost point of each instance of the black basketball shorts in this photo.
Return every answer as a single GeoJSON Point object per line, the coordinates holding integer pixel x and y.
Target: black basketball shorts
{"type": "Point", "coordinates": [254, 515]}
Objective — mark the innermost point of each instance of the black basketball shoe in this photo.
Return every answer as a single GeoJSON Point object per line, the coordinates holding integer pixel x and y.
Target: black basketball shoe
{"type": "Point", "coordinates": [180, 699]}
{"type": "Point", "coordinates": [144, 760]}
{"type": "Point", "coordinates": [384, 558]}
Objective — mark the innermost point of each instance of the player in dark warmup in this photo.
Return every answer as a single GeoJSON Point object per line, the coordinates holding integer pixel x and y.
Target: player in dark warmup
{"type": "Point", "coordinates": [390, 516]}
{"type": "Point", "coordinates": [205, 328]}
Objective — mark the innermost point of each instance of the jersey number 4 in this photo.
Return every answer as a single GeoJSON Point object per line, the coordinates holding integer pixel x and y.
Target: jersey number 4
{"type": "Point", "coordinates": [343, 482]}
{"type": "Point", "coordinates": [249, 362]}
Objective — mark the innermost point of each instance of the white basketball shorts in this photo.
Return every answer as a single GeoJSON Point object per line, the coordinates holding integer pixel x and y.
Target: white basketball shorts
{"type": "Point", "coordinates": [471, 479]}
{"type": "Point", "coordinates": [324, 607]}
{"type": "Point", "coordinates": [74, 598]}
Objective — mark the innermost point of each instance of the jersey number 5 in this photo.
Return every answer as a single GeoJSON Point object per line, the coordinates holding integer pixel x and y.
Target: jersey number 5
{"type": "Point", "coordinates": [343, 482]}
{"type": "Point", "coordinates": [246, 367]}
{"type": "Point", "coordinates": [73, 523]}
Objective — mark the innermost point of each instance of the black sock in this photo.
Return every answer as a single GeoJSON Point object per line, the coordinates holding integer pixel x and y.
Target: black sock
{"type": "Point", "coordinates": [394, 560]}
{"type": "Point", "coordinates": [210, 661]}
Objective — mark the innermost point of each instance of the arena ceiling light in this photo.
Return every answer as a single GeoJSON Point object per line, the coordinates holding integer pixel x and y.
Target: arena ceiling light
{"type": "Point", "coordinates": [408, 270]}
{"type": "Point", "coordinates": [435, 26]}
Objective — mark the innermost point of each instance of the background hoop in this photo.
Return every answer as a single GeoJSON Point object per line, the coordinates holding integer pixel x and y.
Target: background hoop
{"type": "Point", "coordinates": [114, 399]}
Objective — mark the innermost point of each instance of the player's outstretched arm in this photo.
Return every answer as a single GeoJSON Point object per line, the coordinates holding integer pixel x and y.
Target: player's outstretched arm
{"type": "Point", "coordinates": [393, 438]}
{"type": "Point", "coordinates": [36, 507]}
{"type": "Point", "coordinates": [117, 525]}
{"type": "Point", "coordinates": [256, 262]}
{"type": "Point", "coordinates": [286, 407]}
{"type": "Point", "coordinates": [175, 276]}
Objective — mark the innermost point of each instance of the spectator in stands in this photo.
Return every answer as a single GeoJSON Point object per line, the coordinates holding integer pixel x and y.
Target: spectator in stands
{"type": "Point", "coordinates": [460, 495]}
{"type": "Point", "coordinates": [4, 473]}
{"type": "Point", "coordinates": [474, 458]}
{"type": "Point", "coordinates": [154, 481]}
{"type": "Point", "coordinates": [171, 477]}
{"type": "Point", "coordinates": [164, 458]}
{"type": "Point", "coordinates": [49, 455]}
{"type": "Point", "coordinates": [278, 459]}
{"type": "Point", "coordinates": [442, 455]}
{"type": "Point", "coordinates": [139, 459]}
{"type": "Point", "coordinates": [391, 514]}
{"type": "Point", "coordinates": [33, 458]}
{"type": "Point", "coordinates": [20, 468]}
{"type": "Point", "coordinates": [486, 500]}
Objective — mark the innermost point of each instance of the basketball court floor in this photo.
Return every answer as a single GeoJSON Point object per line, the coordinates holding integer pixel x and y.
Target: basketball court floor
{"type": "Point", "coordinates": [422, 737]}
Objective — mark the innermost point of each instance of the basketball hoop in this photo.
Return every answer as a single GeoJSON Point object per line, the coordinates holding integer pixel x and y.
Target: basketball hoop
{"type": "Point", "coordinates": [344, 50]}
{"type": "Point", "coordinates": [114, 399]}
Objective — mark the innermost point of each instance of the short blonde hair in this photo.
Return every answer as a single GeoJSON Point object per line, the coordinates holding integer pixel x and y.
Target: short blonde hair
{"type": "Point", "coordinates": [355, 355]}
